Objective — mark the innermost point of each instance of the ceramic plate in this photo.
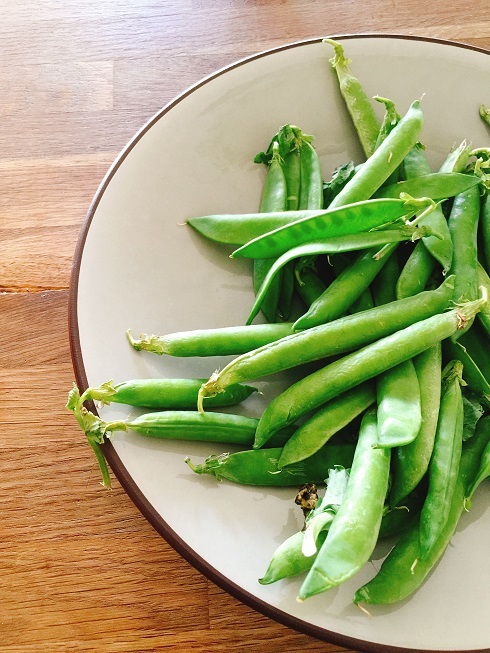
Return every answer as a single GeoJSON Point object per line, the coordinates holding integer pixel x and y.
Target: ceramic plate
{"type": "Point", "coordinates": [138, 267]}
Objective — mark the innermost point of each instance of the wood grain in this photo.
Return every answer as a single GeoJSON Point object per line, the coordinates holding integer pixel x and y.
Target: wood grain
{"type": "Point", "coordinates": [80, 569]}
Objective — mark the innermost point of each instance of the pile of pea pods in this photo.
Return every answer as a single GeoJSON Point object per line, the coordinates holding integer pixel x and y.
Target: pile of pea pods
{"type": "Point", "coordinates": [394, 421]}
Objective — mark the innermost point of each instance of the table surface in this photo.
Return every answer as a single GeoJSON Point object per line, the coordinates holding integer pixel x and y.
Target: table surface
{"type": "Point", "coordinates": [80, 568]}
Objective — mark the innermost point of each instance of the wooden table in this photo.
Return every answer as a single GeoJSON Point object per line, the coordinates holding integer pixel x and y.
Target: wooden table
{"type": "Point", "coordinates": [81, 569]}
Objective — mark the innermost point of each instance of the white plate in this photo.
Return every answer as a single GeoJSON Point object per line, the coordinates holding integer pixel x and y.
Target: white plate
{"type": "Point", "coordinates": [137, 267]}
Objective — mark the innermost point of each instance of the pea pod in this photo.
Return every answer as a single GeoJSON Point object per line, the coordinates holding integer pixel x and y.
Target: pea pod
{"type": "Point", "coordinates": [316, 389]}
{"type": "Point", "coordinates": [485, 229]}
{"type": "Point", "coordinates": [259, 466]}
{"type": "Point", "coordinates": [371, 241]}
{"type": "Point", "coordinates": [164, 393]}
{"type": "Point", "coordinates": [399, 408]}
{"type": "Point", "coordinates": [343, 221]}
{"type": "Point", "coordinates": [345, 334]}
{"type": "Point", "coordinates": [410, 462]}
{"type": "Point", "coordinates": [482, 473]}
{"type": "Point", "coordinates": [437, 186]}
{"type": "Point", "coordinates": [223, 341]}
{"type": "Point", "coordinates": [484, 314]}
{"type": "Point", "coordinates": [357, 102]}
{"type": "Point", "coordinates": [463, 226]}
{"type": "Point", "coordinates": [289, 560]}
{"type": "Point", "coordinates": [384, 160]}
{"type": "Point", "coordinates": [346, 289]}
{"type": "Point", "coordinates": [441, 248]}
{"type": "Point", "coordinates": [397, 389]}
{"type": "Point", "coordinates": [416, 272]}
{"type": "Point", "coordinates": [318, 429]}
{"type": "Point", "coordinates": [238, 228]}
{"type": "Point", "coordinates": [444, 464]}
{"type": "Point", "coordinates": [274, 198]}
{"type": "Point", "coordinates": [354, 530]}
{"type": "Point", "coordinates": [311, 182]}
{"type": "Point", "coordinates": [398, 576]}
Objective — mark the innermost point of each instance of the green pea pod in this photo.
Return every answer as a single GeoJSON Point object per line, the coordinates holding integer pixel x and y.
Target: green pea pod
{"type": "Point", "coordinates": [316, 431]}
{"type": "Point", "coordinates": [344, 221]}
{"type": "Point", "coordinates": [463, 226]}
{"type": "Point", "coordinates": [484, 315]}
{"type": "Point", "coordinates": [485, 229]}
{"type": "Point", "coordinates": [316, 389]}
{"type": "Point", "coordinates": [416, 272]}
{"type": "Point", "coordinates": [292, 173]}
{"type": "Point", "coordinates": [311, 181]}
{"type": "Point", "coordinates": [223, 341]}
{"type": "Point", "coordinates": [482, 473]}
{"type": "Point", "coordinates": [238, 228]}
{"type": "Point", "coordinates": [383, 289]}
{"type": "Point", "coordinates": [289, 560]}
{"type": "Point", "coordinates": [357, 102]}
{"type": "Point", "coordinates": [274, 198]}
{"type": "Point", "coordinates": [384, 160]}
{"type": "Point", "coordinates": [308, 284]}
{"type": "Point", "coordinates": [437, 186]}
{"type": "Point", "coordinates": [472, 375]}
{"type": "Point", "coordinates": [371, 241]}
{"type": "Point", "coordinates": [441, 248]}
{"type": "Point", "coordinates": [347, 288]}
{"type": "Point", "coordinates": [421, 263]}
{"type": "Point", "coordinates": [164, 393]}
{"type": "Point", "coordinates": [259, 466]}
{"type": "Point", "coordinates": [346, 334]}
{"type": "Point", "coordinates": [444, 464]}
{"type": "Point", "coordinates": [354, 530]}
{"type": "Point", "coordinates": [399, 407]}
{"type": "Point", "coordinates": [398, 576]}
{"type": "Point", "coordinates": [410, 462]}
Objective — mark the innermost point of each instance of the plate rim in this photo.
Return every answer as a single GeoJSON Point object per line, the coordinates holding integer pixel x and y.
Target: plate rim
{"type": "Point", "coordinates": [123, 476]}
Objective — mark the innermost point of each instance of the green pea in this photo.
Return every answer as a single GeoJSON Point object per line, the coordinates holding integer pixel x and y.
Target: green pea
{"type": "Point", "coordinates": [354, 530]}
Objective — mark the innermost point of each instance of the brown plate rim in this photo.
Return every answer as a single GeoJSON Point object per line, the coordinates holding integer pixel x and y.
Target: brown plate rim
{"type": "Point", "coordinates": [119, 470]}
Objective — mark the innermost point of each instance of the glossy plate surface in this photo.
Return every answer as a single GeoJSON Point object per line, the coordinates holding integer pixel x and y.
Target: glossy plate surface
{"type": "Point", "coordinates": [137, 267]}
